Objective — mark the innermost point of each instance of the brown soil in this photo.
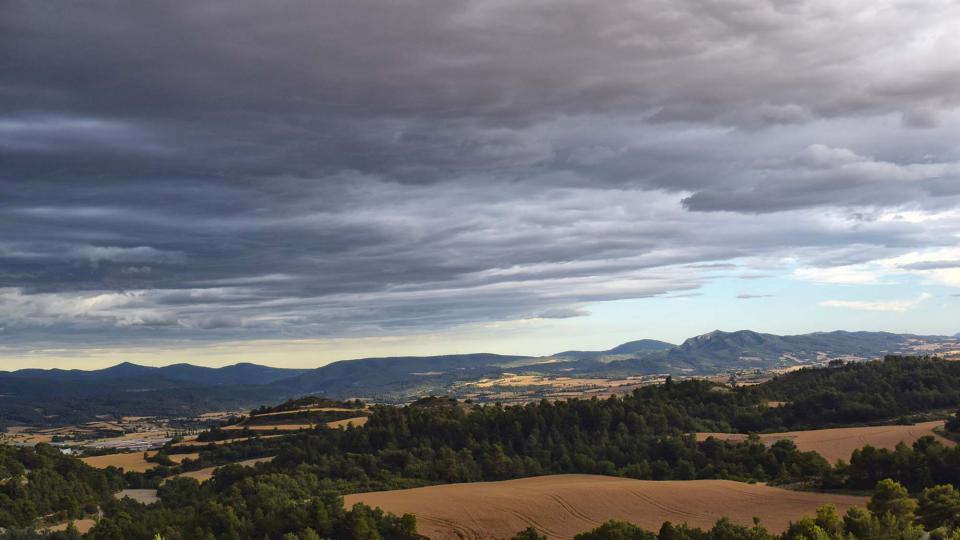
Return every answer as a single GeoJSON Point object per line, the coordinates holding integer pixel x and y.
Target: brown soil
{"type": "Point", "coordinates": [839, 443]}
{"type": "Point", "coordinates": [203, 475]}
{"type": "Point", "coordinates": [356, 422]}
{"type": "Point", "coordinates": [561, 506]}
{"type": "Point", "coordinates": [131, 461]}
{"type": "Point", "coordinates": [82, 525]}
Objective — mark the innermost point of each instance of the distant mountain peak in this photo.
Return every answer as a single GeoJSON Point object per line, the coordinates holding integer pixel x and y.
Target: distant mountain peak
{"type": "Point", "coordinates": [736, 335]}
{"type": "Point", "coordinates": [640, 345]}
{"type": "Point", "coordinates": [126, 367]}
{"type": "Point", "coordinates": [125, 364]}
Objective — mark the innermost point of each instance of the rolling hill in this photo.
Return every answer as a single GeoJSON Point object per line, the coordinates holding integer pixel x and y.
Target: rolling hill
{"type": "Point", "coordinates": [243, 373]}
{"type": "Point", "coordinates": [723, 351]}
{"type": "Point", "coordinates": [38, 397]}
{"type": "Point", "coordinates": [566, 504]}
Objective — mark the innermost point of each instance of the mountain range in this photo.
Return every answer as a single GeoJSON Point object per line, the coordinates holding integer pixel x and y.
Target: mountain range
{"type": "Point", "coordinates": [55, 396]}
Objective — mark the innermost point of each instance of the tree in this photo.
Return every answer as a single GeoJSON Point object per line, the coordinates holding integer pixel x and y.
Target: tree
{"type": "Point", "coordinates": [529, 534]}
{"type": "Point", "coordinates": [953, 424]}
{"type": "Point", "coordinates": [616, 530]}
{"type": "Point", "coordinates": [939, 506]}
{"type": "Point", "coordinates": [889, 497]}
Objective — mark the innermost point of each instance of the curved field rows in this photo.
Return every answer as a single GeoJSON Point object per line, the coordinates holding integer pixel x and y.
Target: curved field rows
{"type": "Point", "coordinates": [561, 506]}
{"type": "Point", "coordinates": [839, 443]}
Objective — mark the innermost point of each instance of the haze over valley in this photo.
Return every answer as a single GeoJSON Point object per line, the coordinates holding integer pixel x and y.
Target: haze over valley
{"type": "Point", "coordinates": [479, 270]}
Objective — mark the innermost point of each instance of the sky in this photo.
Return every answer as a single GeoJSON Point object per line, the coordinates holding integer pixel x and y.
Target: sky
{"type": "Point", "coordinates": [300, 181]}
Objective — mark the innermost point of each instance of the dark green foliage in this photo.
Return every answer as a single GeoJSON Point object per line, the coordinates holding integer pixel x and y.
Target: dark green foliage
{"type": "Point", "coordinates": [927, 463]}
{"type": "Point", "coordinates": [633, 436]}
{"type": "Point", "coordinates": [860, 392]}
{"type": "Point", "coordinates": [268, 506]}
{"type": "Point", "coordinates": [939, 506]}
{"type": "Point", "coordinates": [437, 440]}
{"type": "Point", "coordinates": [300, 417]}
{"type": "Point", "coordinates": [56, 485]}
{"type": "Point", "coordinates": [307, 402]}
{"type": "Point", "coordinates": [953, 424]}
{"type": "Point", "coordinates": [616, 530]}
{"type": "Point", "coordinates": [529, 534]}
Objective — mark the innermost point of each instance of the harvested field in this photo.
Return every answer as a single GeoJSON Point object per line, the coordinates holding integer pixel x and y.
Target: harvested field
{"type": "Point", "coordinates": [356, 422]}
{"type": "Point", "coordinates": [132, 461]}
{"type": "Point", "coordinates": [839, 443]}
{"type": "Point", "coordinates": [561, 506]}
{"type": "Point", "coordinates": [143, 496]}
{"type": "Point", "coordinates": [180, 458]}
{"type": "Point", "coordinates": [82, 525]}
{"type": "Point", "coordinates": [205, 474]}
{"type": "Point", "coordinates": [194, 442]}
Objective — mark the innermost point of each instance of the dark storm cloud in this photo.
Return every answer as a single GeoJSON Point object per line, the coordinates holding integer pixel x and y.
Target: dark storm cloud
{"type": "Point", "coordinates": [210, 169]}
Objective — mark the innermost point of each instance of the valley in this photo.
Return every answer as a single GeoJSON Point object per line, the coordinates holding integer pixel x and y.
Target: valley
{"type": "Point", "coordinates": [670, 450]}
{"type": "Point", "coordinates": [183, 393]}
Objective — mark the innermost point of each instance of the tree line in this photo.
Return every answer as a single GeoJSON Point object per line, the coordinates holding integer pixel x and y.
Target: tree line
{"type": "Point", "coordinates": [645, 435]}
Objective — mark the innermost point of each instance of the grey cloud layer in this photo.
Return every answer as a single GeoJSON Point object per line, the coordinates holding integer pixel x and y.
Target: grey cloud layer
{"type": "Point", "coordinates": [211, 169]}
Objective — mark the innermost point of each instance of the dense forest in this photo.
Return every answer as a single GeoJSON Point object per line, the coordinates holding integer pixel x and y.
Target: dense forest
{"type": "Point", "coordinates": [42, 481]}
{"type": "Point", "coordinates": [645, 434]}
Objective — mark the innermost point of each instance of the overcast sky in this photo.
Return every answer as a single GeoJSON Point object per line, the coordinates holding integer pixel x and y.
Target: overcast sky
{"type": "Point", "coordinates": [294, 182]}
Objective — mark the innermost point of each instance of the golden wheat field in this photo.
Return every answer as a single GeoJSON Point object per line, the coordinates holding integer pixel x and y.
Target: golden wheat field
{"type": "Point", "coordinates": [561, 506]}
{"type": "Point", "coordinates": [839, 443]}
{"type": "Point", "coordinates": [355, 422]}
{"type": "Point", "coordinates": [132, 461]}
{"type": "Point", "coordinates": [129, 462]}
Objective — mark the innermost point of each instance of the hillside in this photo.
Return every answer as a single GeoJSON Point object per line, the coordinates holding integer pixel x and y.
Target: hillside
{"type": "Point", "coordinates": [564, 505]}
{"type": "Point", "coordinates": [242, 373]}
{"type": "Point", "coordinates": [368, 376]}
{"type": "Point", "coordinates": [560, 466]}
{"type": "Point", "coordinates": [620, 352]}
{"type": "Point", "coordinates": [721, 351]}
{"type": "Point", "coordinates": [839, 443]}
{"type": "Point", "coordinates": [70, 396]}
